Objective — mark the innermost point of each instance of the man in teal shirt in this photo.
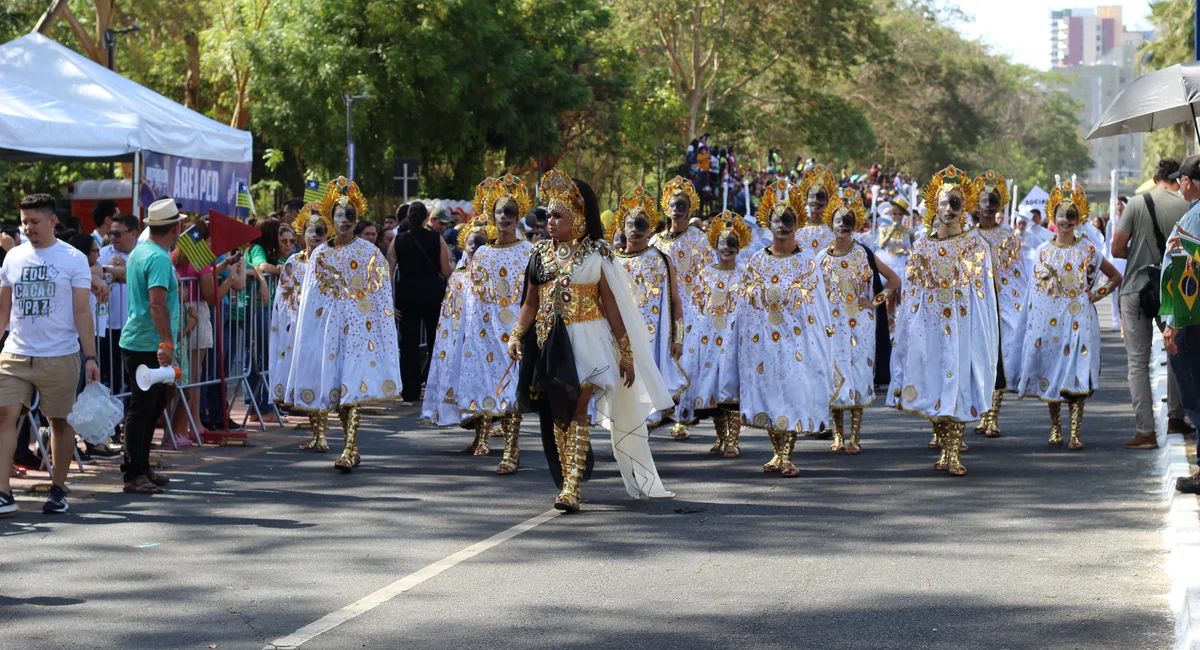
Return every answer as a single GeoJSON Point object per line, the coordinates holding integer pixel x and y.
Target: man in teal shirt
{"type": "Point", "coordinates": [148, 339]}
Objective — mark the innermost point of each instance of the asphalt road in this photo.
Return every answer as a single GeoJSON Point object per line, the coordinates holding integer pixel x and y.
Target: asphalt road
{"type": "Point", "coordinates": [1035, 548]}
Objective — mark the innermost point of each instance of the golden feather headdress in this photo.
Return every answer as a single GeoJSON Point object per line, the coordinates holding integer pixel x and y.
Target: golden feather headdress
{"type": "Point", "coordinates": [729, 223]}
{"type": "Point", "coordinates": [778, 197]}
{"type": "Point", "coordinates": [1072, 193]}
{"type": "Point", "coordinates": [946, 180]}
{"type": "Point", "coordinates": [846, 199]}
{"type": "Point", "coordinates": [306, 215]}
{"type": "Point", "coordinates": [559, 191]}
{"type": "Point", "coordinates": [637, 199]}
{"type": "Point", "coordinates": [815, 175]}
{"type": "Point", "coordinates": [341, 192]}
{"type": "Point", "coordinates": [680, 185]}
{"type": "Point", "coordinates": [478, 224]}
{"type": "Point", "coordinates": [990, 180]}
{"type": "Point", "coordinates": [491, 190]}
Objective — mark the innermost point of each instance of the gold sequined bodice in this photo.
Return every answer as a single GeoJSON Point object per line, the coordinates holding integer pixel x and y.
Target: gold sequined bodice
{"type": "Point", "coordinates": [351, 271]}
{"type": "Point", "coordinates": [498, 273]}
{"type": "Point", "coordinates": [1067, 271]}
{"type": "Point", "coordinates": [1006, 251]}
{"type": "Point", "coordinates": [558, 296]}
{"type": "Point", "coordinates": [847, 278]}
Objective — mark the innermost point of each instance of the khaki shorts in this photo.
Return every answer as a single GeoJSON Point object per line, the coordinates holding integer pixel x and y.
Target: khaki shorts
{"type": "Point", "coordinates": [54, 378]}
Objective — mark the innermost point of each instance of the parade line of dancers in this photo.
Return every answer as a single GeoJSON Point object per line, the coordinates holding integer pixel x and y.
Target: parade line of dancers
{"type": "Point", "coordinates": [786, 325]}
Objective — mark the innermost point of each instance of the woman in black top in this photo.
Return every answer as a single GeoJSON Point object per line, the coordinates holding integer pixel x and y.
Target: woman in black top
{"type": "Point", "coordinates": [422, 266]}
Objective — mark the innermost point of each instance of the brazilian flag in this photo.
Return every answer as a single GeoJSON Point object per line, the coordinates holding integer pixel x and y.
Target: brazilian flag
{"type": "Point", "coordinates": [1181, 282]}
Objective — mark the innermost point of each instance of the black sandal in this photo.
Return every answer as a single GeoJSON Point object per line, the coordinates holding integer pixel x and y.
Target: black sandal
{"type": "Point", "coordinates": [142, 485]}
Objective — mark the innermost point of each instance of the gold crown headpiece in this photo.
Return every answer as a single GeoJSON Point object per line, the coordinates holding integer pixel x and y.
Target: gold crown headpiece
{"type": "Point", "coordinates": [815, 175]}
{"type": "Point", "coordinates": [559, 191]}
{"type": "Point", "coordinates": [944, 181]}
{"type": "Point", "coordinates": [306, 215]}
{"type": "Point", "coordinates": [1072, 193]}
{"type": "Point", "coordinates": [779, 196]}
{"type": "Point", "coordinates": [491, 190]}
{"type": "Point", "coordinates": [341, 192]}
{"type": "Point", "coordinates": [990, 180]}
{"type": "Point", "coordinates": [729, 223]}
{"type": "Point", "coordinates": [478, 224]}
{"type": "Point", "coordinates": [680, 185]}
{"type": "Point", "coordinates": [847, 199]}
{"type": "Point", "coordinates": [637, 199]}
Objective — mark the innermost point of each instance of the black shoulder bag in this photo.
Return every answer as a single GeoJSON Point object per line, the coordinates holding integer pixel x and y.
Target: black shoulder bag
{"type": "Point", "coordinates": [1149, 296]}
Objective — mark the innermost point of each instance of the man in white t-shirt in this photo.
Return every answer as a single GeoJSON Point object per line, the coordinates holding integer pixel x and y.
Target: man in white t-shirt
{"type": "Point", "coordinates": [44, 287]}
{"type": "Point", "coordinates": [122, 232]}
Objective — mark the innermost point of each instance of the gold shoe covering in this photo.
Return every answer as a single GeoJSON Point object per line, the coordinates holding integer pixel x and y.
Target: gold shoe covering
{"type": "Point", "coordinates": [1055, 424]}
{"type": "Point", "coordinates": [773, 464]}
{"type": "Point", "coordinates": [350, 416]}
{"type": "Point", "coordinates": [953, 440]}
{"type": "Point", "coordinates": [680, 432]}
{"type": "Point", "coordinates": [940, 435]}
{"type": "Point", "coordinates": [839, 430]}
{"type": "Point", "coordinates": [856, 415]}
{"type": "Point", "coordinates": [319, 422]}
{"type": "Point", "coordinates": [733, 432]}
{"type": "Point", "coordinates": [719, 423]}
{"type": "Point", "coordinates": [991, 428]}
{"type": "Point", "coordinates": [511, 424]}
{"type": "Point", "coordinates": [1076, 407]}
{"type": "Point", "coordinates": [578, 439]}
{"type": "Point", "coordinates": [787, 444]}
{"type": "Point", "coordinates": [936, 441]}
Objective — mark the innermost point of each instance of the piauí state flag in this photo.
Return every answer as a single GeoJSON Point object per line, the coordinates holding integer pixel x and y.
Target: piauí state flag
{"type": "Point", "coordinates": [1181, 282]}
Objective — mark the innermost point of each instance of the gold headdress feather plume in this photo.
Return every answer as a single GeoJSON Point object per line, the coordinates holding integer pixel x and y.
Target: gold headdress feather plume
{"type": "Point", "coordinates": [944, 181]}
{"type": "Point", "coordinates": [558, 190]}
{"type": "Point", "coordinates": [341, 192]}
{"type": "Point", "coordinates": [729, 223]}
{"type": "Point", "coordinates": [815, 175]}
{"type": "Point", "coordinates": [847, 199]}
{"type": "Point", "coordinates": [478, 224]}
{"type": "Point", "coordinates": [1073, 194]}
{"type": "Point", "coordinates": [777, 198]}
{"type": "Point", "coordinates": [636, 199]}
{"type": "Point", "coordinates": [990, 180]}
{"type": "Point", "coordinates": [679, 185]}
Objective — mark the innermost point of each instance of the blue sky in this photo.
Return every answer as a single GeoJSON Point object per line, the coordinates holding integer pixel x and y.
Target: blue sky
{"type": "Point", "coordinates": [1021, 28]}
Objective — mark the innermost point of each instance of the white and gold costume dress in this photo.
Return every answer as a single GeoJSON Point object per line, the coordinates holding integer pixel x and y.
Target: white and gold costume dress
{"type": "Point", "coordinates": [440, 406]}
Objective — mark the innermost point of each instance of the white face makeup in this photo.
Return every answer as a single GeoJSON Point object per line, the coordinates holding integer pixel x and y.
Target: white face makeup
{"type": "Point", "coordinates": [727, 246]}
{"type": "Point", "coordinates": [817, 200]}
{"type": "Point", "coordinates": [845, 222]}
{"type": "Point", "coordinates": [343, 219]}
{"type": "Point", "coordinates": [783, 223]}
{"type": "Point", "coordinates": [636, 226]}
{"type": "Point", "coordinates": [505, 214]}
{"type": "Point", "coordinates": [950, 207]}
{"type": "Point", "coordinates": [314, 234]}
{"type": "Point", "coordinates": [1066, 217]}
{"type": "Point", "coordinates": [680, 205]}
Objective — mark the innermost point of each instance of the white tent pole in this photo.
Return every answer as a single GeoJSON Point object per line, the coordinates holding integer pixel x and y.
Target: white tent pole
{"type": "Point", "coordinates": [137, 183]}
{"type": "Point", "coordinates": [1012, 210]}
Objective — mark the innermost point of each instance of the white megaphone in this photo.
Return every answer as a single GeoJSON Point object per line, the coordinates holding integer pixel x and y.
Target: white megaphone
{"type": "Point", "coordinates": [147, 377]}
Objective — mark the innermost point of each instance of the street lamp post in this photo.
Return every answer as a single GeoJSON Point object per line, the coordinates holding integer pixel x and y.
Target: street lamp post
{"type": "Point", "coordinates": [110, 40]}
{"type": "Point", "coordinates": [350, 99]}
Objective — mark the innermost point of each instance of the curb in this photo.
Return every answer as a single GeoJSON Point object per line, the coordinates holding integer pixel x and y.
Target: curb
{"type": "Point", "coordinates": [1181, 536]}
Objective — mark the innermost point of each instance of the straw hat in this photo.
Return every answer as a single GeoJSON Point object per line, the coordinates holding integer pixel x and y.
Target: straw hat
{"type": "Point", "coordinates": [163, 212]}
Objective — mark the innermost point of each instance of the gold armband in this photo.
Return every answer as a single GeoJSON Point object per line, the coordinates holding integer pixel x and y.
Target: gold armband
{"type": "Point", "coordinates": [625, 349]}
{"type": "Point", "coordinates": [678, 334]}
{"type": "Point", "coordinates": [518, 331]}
{"type": "Point", "coordinates": [881, 297]}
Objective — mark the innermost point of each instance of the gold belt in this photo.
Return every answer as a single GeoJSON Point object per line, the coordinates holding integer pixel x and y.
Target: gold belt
{"type": "Point", "coordinates": [584, 304]}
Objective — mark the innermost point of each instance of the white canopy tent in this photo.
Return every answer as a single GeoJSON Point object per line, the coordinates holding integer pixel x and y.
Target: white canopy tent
{"type": "Point", "coordinates": [38, 125]}
{"type": "Point", "coordinates": [72, 91]}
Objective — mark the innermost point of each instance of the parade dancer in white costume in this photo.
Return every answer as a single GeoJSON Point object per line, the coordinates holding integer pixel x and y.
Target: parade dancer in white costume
{"type": "Point", "coordinates": [487, 381]}
{"type": "Point", "coordinates": [314, 229]}
{"type": "Point", "coordinates": [440, 405]}
{"type": "Point", "coordinates": [347, 353]}
{"type": "Point", "coordinates": [849, 269]}
{"type": "Point", "coordinates": [785, 366]}
{"type": "Point", "coordinates": [1061, 361]}
{"type": "Point", "coordinates": [689, 252]}
{"type": "Point", "coordinates": [576, 351]}
{"type": "Point", "coordinates": [817, 189]}
{"type": "Point", "coordinates": [1012, 292]}
{"type": "Point", "coordinates": [656, 290]}
{"type": "Point", "coordinates": [714, 334]}
{"type": "Point", "coordinates": [947, 325]}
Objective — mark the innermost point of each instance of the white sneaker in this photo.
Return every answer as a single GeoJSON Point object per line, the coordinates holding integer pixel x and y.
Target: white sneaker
{"type": "Point", "coordinates": [8, 504]}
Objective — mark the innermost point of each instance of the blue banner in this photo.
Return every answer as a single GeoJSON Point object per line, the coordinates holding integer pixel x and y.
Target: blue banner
{"type": "Point", "coordinates": [198, 185]}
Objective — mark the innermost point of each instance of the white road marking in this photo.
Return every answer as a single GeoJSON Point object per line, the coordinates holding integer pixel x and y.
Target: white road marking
{"type": "Point", "coordinates": [371, 601]}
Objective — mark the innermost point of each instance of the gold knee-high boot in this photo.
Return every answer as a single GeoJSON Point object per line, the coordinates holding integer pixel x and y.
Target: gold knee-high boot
{"type": "Point", "coordinates": [936, 441]}
{"type": "Point", "coordinates": [483, 429]}
{"type": "Point", "coordinates": [787, 444]}
{"type": "Point", "coordinates": [733, 432]}
{"type": "Point", "coordinates": [578, 439]}
{"type": "Point", "coordinates": [720, 423]}
{"type": "Point", "coordinates": [511, 424]}
{"type": "Point", "coordinates": [319, 421]}
{"type": "Point", "coordinates": [989, 423]}
{"type": "Point", "coordinates": [1076, 406]}
{"type": "Point", "coordinates": [953, 440]}
{"type": "Point", "coordinates": [1055, 424]}
{"type": "Point", "coordinates": [349, 415]}
{"type": "Point", "coordinates": [774, 464]}
{"type": "Point", "coordinates": [839, 430]}
{"type": "Point", "coordinates": [941, 437]}
{"type": "Point", "coordinates": [856, 415]}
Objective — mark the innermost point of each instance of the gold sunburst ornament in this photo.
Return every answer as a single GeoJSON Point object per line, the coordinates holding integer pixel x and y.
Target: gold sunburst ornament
{"type": "Point", "coordinates": [305, 217]}
{"type": "Point", "coordinates": [948, 179]}
{"type": "Point", "coordinates": [477, 225]}
{"type": "Point", "coordinates": [492, 190]}
{"type": "Point", "coordinates": [636, 200]}
{"type": "Point", "coordinates": [680, 185]}
{"type": "Point", "coordinates": [1072, 193]}
{"type": "Point", "coordinates": [847, 200]}
{"type": "Point", "coordinates": [560, 192]}
{"type": "Point", "coordinates": [729, 223]}
{"type": "Point", "coordinates": [342, 192]}
{"type": "Point", "coordinates": [989, 181]}
{"type": "Point", "coordinates": [815, 176]}
{"type": "Point", "coordinates": [777, 198]}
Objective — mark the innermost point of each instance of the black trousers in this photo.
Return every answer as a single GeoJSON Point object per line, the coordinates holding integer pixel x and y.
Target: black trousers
{"type": "Point", "coordinates": [416, 317]}
{"type": "Point", "coordinates": [141, 416]}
